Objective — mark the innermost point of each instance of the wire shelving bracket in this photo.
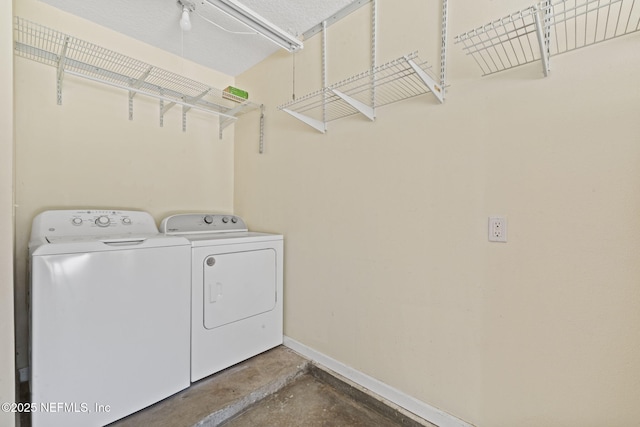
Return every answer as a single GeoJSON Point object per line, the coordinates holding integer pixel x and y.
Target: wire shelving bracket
{"type": "Point", "coordinates": [397, 80]}
{"type": "Point", "coordinates": [546, 29]}
{"type": "Point", "coordinates": [72, 56]}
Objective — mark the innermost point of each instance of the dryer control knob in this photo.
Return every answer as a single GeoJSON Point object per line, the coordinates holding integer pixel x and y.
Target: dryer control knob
{"type": "Point", "coordinates": [234, 219]}
{"type": "Point", "coordinates": [103, 221]}
{"type": "Point", "coordinates": [76, 221]}
{"type": "Point", "coordinates": [208, 219]}
{"type": "Point", "coordinates": [225, 219]}
{"type": "Point", "coordinates": [126, 221]}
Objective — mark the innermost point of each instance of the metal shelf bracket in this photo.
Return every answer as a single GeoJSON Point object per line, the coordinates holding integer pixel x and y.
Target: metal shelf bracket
{"type": "Point", "coordinates": [136, 84]}
{"type": "Point", "coordinates": [318, 125]}
{"type": "Point", "coordinates": [261, 143]}
{"type": "Point", "coordinates": [163, 109]}
{"type": "Point", "coordinates": [434, 87]}
{"type": "Point", "coordinates": [541, 20]}
{"type": "Point", "coordinates": [360, 106]}
{"type": "Point", "coordinates": [230, 118]}
{"type": "Point", "coordinates": [60, 73]}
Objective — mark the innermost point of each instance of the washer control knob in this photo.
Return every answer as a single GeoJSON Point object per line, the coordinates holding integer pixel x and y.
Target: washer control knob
{"type": "Point", "coordinates": [126, 221]}
{"type": "Point", "coordinates": [103, 221]}
{"type": "Point", "coordinates": [76, 221]}
{"type": "Point", "coordinates": [208, 219]}
{"type": "Point", "coordinates": [225, 219]}
{"type": "Point", "coordinates": [234, 219]}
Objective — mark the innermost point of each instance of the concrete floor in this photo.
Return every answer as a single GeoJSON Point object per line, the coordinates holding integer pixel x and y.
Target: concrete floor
{"type": "Point", "coordinates": [276, 388]}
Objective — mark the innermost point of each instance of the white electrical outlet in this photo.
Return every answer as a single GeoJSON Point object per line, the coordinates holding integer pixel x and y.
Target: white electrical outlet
{"type": "Point", "coordinates": [497, 229]}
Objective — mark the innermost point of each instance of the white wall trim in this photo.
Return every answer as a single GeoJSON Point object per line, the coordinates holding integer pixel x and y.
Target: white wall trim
{"type": "Point", "coordinates": [411, 404]}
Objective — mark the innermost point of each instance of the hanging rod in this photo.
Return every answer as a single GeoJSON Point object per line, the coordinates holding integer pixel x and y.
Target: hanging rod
{"type": "Point", "coordinates": [546, 29]}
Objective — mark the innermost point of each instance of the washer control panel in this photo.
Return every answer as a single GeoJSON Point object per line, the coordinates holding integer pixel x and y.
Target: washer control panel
{"type": "Point", "coordinates": [92, 222]}
{"type": "Point", "coordinates": [202, 223]}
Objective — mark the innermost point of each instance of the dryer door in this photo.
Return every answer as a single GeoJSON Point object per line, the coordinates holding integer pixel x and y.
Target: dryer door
{"type": "Point", "coordinates": [238, 285]}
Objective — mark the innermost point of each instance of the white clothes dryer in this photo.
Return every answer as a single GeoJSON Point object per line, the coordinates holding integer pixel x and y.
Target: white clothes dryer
{"type": "Point", "coordinates": [236, 289]}
{"type": "Point", "coordinates": [110, 316]}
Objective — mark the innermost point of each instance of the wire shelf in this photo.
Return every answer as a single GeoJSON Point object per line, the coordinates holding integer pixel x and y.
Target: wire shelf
{"type": "Point", "coordinates": [403, 78]}
{"type": "Point", "coordinates": [546, 29]}
{"type": "Point", "coordinates": [83, 59]}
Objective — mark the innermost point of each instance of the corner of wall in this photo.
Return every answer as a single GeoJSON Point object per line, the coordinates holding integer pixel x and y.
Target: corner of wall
{"type": "Point", "coordinates": [7, 354]}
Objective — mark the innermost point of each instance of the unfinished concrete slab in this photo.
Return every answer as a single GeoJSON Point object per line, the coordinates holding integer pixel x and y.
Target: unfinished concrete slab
{"type": "Point", "coordinates": [310, 402]}
{"type": "Point", "coordinates": [278, 388]}
{"type": "Point", "coordinates": [219, 397]}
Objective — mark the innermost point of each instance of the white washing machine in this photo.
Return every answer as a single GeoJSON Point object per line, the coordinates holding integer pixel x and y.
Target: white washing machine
{"type": "Point", "coordinates": [236, 289]}
{"type": "Point", "coordinates": [110, 316]}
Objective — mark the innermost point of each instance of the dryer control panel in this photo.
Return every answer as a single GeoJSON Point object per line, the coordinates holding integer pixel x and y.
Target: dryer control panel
{"type": "Point", "coordinates": [202, 223]}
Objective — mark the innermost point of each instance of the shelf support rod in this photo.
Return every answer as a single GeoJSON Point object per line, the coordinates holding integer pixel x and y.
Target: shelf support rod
{"type": "Point", "coordinates": [360, 106]}
{"type": "Point", "coordinates": [433, 86]}
{"type": "Point", "coordinates": [163, 109]}
{"type": "Point", "coordinates": [136, 85]}
{"type": "Point", "coordinates": [324, 76]}
{"type": "Point", "coordinates": [60, 75]}
{"type": "Point", "coordinates": [261, 142]}
{"type": "Point", "coordinates": [194, 100]}
{"type": "Point", "coordinates": [443, 48]}
{"type": "Point", "coordinates": [166, 108]}
{"type": "Point", "coordinates": [543, 37]}
{"type": "Point", "coordinates": [161, 112]}
{"type": "Point", "coordinates": [223, 124]}
{"type": "Point", "coordinates": [186, 107]}
{"type": "Point", "coordinates": [318, 125]}
{"type": "Point", "coordinates": [374, 33]}
{"type": "Point", "coordinates": [184, 117]}
{"type": "Point", "coordinates": [229, 118]}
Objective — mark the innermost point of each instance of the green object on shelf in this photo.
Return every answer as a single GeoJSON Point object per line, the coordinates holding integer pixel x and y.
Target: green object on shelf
{"type": "Point", "coordinates": [237, 92]}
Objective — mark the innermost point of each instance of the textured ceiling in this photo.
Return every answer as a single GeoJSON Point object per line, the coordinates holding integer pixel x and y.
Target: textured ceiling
{"type": "Point", "coordinates": [156, 22]}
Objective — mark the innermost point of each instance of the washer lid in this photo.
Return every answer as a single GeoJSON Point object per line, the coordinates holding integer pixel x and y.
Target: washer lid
{"type": "Point", "coordinates": [83, 244]}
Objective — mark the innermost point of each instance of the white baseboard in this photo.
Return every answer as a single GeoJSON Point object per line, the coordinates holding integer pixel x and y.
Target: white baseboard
{"type": "Point", "coordinates": [411, 404]}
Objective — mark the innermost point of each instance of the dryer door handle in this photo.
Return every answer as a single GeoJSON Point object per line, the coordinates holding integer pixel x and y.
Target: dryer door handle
{"type": "Point", "coordinates": [215, 292]}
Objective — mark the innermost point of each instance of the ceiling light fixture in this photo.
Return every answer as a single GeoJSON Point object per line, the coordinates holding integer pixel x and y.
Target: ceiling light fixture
{"type": "Point", "coordinates": [187, 8]}
{"type": "Point", "coordinates": [258, 23]}
{"type": "Point", "coordinates": [185, 21]}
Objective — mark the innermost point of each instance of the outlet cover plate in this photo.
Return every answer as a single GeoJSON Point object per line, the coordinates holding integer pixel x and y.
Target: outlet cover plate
{"type": "Point", "coordinates": [498, 229]}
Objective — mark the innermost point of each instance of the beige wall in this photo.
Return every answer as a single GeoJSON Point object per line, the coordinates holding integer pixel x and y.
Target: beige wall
{"type": "Point", "coordinates": [388, 268]}
{"type": "Point", "coordinates": [86, 153]}
{"type": "Point", "coordinates": [387, 265]}
{"type": "Point", "coordinates": [7, 372]}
